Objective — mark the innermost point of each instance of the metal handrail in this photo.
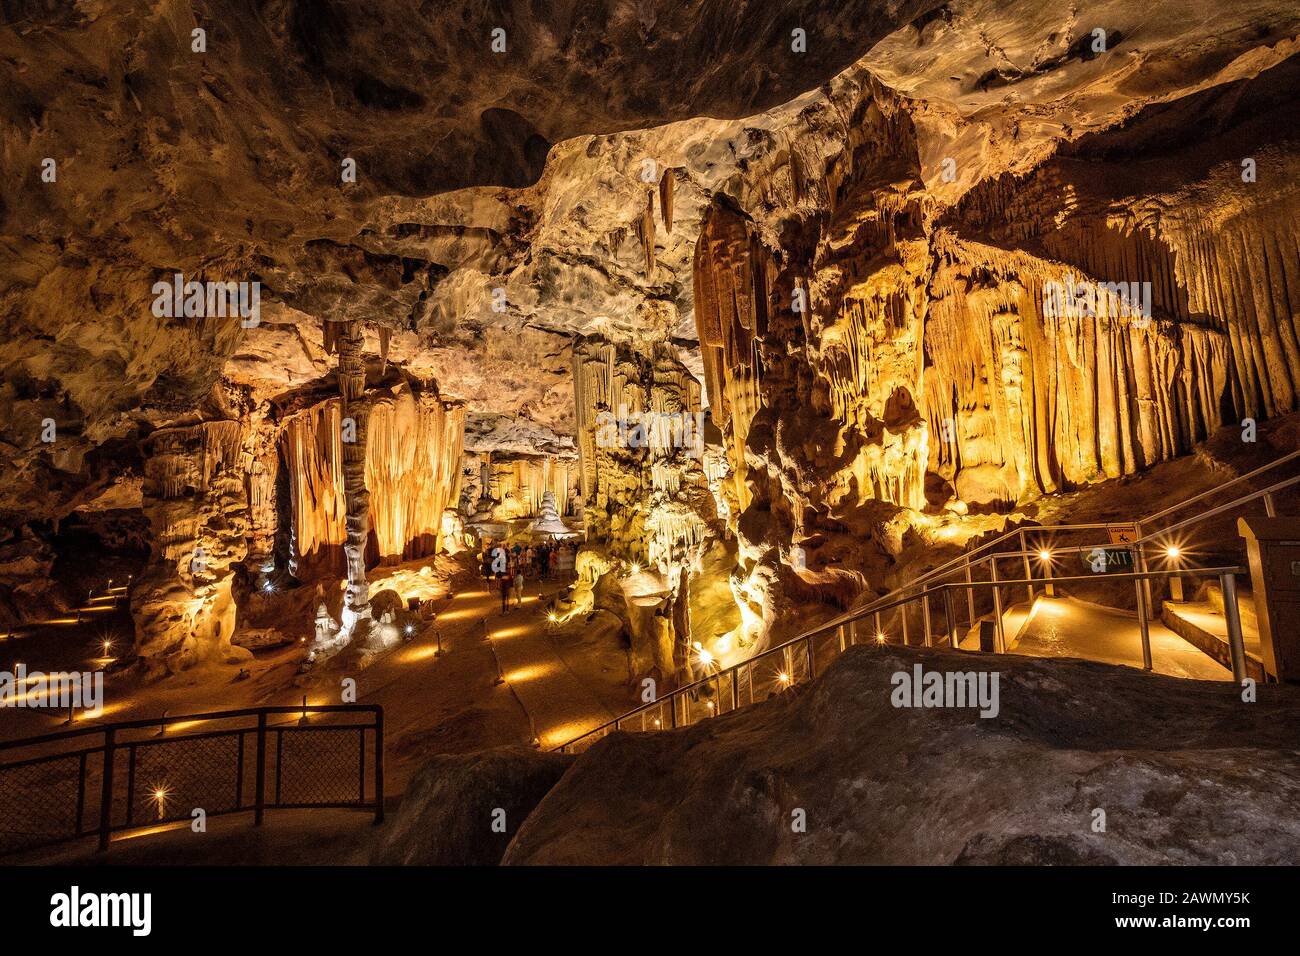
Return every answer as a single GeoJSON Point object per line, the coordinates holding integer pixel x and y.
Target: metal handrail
{"type": "Point", "coordinates": [1227, 577]}
{"type": "Point", "coordinates": [1216, 490]}
{"type": "Point", "coordinates": [189, 718]}
{"type": "Point", "coordinates": [113, 742]}
{"type": "Point", "coordinates": [968, 559]}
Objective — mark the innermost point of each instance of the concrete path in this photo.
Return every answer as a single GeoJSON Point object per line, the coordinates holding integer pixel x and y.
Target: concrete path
{"type": "Point", "coordinates": [1067, 627]}
{"type": "Point", "coordinates": [558, 703]}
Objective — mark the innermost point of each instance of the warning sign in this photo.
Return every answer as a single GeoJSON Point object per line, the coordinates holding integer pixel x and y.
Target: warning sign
{"type": "Point", "coordinates": [1122, 533]}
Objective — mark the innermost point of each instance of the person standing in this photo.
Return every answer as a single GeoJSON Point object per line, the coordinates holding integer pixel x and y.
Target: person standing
{"type": "Point", "coordinates": [519, 587]}
{"type": "Point", "coordinates": [503, 583]}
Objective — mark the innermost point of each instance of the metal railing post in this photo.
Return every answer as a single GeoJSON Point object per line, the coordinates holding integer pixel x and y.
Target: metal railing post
{"type": "Point", "coordinates": [997, 604]}
{"type": "Point", "coordinates": [259, 792]}
{"type": "Point", "coordinates": [879, 631]}
{"type": "Point", "coordinates": [1143, 624]}
{"type": "Point", "coordinates": [1269, 509]}
{"type": "Point", "coordinates": [106, 791]}
{"type": "Point", "coordinates": [1232, 616]}
{"type": "Point", "coordinates": [379, 765]}
{"type": "Point", "coordinates": [970, 597]}
{"type": "Point", "coordinates": [902, 613]}
{"type": "Point", "coordinates": [925, 614]}
{"type": "Point", "coordinates": [1029, 574]}
{"type": "Point", "coordinates": [1141, 563]}
{"type": "Point", "coordinates": [950, 619]}
{"type": "Point", "coordinates": [840, 633]}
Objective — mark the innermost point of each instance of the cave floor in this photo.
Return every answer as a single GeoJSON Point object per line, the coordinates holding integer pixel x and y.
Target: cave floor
{"type": "Point", "coordinates": [560, 704]}
{"type": "Point", "coordinates": [1069, 627]}
{"type": "Point", "coordinates": [433, 702]}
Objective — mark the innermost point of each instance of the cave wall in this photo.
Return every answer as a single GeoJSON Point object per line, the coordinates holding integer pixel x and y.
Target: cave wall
{"type": "Point", "coordinates": [412, 472]}
{"type": "Point", "coordinates": [646, 499]}
{"type": "Point", "coordinates": [195, 500]}
{"type": "Point", "coordinates": [872, 351]}
{"type": "Point", "coordinates": [513, 484]}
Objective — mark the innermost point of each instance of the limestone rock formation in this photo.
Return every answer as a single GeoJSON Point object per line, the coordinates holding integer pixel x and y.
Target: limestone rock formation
{"type": "Point", "coordinates": [194, 497]}
{"type": "Point", "coordinates": [1175, 763]}
{"type": "Point", "coordinates": [464, 810]}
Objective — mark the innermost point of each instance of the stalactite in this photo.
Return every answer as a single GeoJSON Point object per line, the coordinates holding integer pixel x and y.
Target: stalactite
{"type": "Point", "coordinates": [411, 466]}
{"type": "Point", "coordinates": [666, 182]}
{"type": "Point", "coordinates": [197, 505]}
{"type": "Point", "coordinates": [649, 502]}
{"type": "Point", "coordinates": [731, 295]}
{"type": "Point", "coordinates": [646, 231]}
{"type": "Point", "coordinates": [519, 483]}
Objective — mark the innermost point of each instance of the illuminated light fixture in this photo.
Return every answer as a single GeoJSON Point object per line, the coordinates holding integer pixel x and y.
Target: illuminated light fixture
{"type": "Point", "coordinates": [657, 724]}
{"type": "Point", "coordinates": [1173, 551]}
{"type": "Point", "coordinates": [410, 629]}
{"type": "Point", "coordinates": [705, 657]}
{"type": "Point", "coordinates": [268, 587]}
{"type": "Point", "coordinates": [880, 637]}
{"type": "Point", "coordinates": [1044, 555]}
{"type": "Point", "coordinates": [108, 646]}
{"type": "Point", "coordinates": [636, 569]}
{"type": "Point", "coordinates": [783, 677]}
{"type": "Point", "coordinates": [710, 705]}
{"type": "Point", "coordinates": [160, 794]}
{"type": "Point", "coordinates": [551, 617]}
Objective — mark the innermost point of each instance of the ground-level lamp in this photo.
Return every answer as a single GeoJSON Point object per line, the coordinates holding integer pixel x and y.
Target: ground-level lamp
{"type": "Point", "coordinates": [1172, 555]}
{"type": "Point", "coordinates": [1045, 557]}
{"type": "Point", "coordinates": [160, 795]}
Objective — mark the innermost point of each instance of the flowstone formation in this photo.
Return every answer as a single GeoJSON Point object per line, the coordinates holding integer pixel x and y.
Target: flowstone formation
{"type": "Point", "coordinates": [194, 498]}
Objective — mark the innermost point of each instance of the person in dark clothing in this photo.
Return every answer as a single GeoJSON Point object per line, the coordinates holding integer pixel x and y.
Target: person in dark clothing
{"type": "Point", "coordinates": [503, 582]}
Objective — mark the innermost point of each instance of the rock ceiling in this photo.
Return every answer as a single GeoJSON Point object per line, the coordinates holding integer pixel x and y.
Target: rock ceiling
{"type": "Point", "coordinates": [528, 171]}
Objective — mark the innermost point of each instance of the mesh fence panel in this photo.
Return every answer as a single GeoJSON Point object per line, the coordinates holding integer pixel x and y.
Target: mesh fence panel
{"type": "Point", "coordinates": [173, 777]}
{"type": "Point", "coordinates": [38, 803]}
{"type": "Point", "coordinates": [319, 765]}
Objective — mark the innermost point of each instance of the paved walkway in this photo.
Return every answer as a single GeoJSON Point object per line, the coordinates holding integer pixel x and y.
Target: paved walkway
{"type": "Point", "coordinates": [1067, 627]}
{"type": "Point", "coordinates": [559, 705]}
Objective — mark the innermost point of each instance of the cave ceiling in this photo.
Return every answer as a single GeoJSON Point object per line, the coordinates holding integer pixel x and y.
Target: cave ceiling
{"type": "Point", "coordinates": [526, 171]}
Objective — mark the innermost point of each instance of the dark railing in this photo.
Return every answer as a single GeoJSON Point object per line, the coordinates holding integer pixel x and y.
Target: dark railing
{"type": "Point", "coordinates": [101, 780]}
{"type": "Point", "coordinates": [1028, 546]}
{"type": "Point", "coordinates": [802, 658]}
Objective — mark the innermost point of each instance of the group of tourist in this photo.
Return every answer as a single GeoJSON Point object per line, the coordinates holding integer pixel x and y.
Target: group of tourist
{"type": "Point", "coordinates": [512, 566]}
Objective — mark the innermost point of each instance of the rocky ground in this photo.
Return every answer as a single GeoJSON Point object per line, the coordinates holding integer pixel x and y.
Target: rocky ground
{"type": "Point", "coordinates": [1184, 772]}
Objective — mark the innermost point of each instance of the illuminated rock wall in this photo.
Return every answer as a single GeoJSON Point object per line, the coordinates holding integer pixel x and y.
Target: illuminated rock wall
{"type": "Point", "coordinates": [412, 470]}
{"type": "Point", "coordinates": [926, 348]}
{"type": "Point", "coordinates": [1020, 402]}
{"type": "Point", "coordinates": [197, 506]}
{"type": "Point", "coordinates": [648, 501]}
{"type": "Point", "coordinates": [517, 483]}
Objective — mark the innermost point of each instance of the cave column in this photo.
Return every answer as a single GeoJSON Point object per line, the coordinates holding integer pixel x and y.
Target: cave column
{"type": "Point", "coordinates": [356, 497]}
